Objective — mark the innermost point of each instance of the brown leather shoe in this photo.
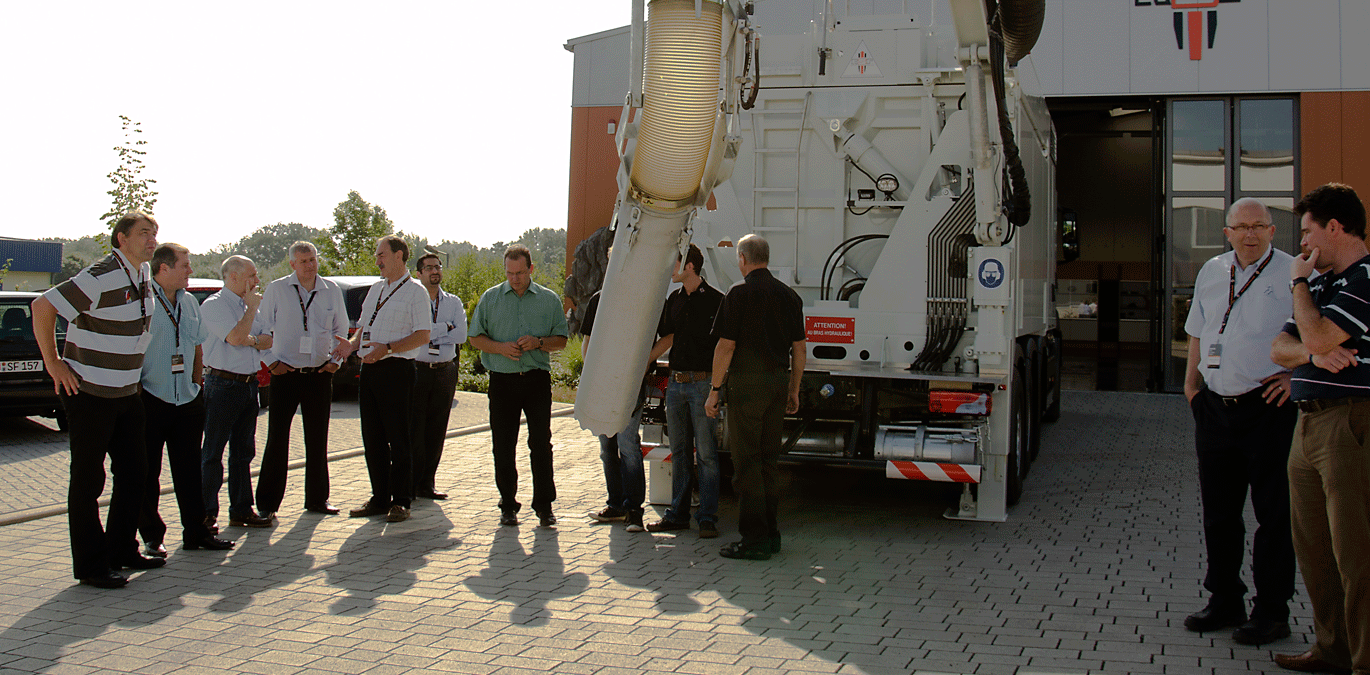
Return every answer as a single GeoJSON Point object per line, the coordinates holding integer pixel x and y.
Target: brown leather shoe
{"type": "Point", "coordinates": [1308, 663]}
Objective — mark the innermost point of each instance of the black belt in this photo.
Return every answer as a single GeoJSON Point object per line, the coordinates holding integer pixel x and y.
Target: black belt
{"type": "Point", "coordinates": [224, 374]}
{"type": "Point", "coordinates": [1321, 404]}
{"type": "Point", "coordinates": [688, 376]}
{"type": "Point", "coordinates": [435, 365]}
{"type": "Point", "coordinates": [1252, 396]}
{"type": "Point", "coordinates": [304, 371]}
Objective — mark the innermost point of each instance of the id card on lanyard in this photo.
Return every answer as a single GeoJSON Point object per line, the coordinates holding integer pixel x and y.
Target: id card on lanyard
{"type": "Point", "coordinates": [1214, 358]}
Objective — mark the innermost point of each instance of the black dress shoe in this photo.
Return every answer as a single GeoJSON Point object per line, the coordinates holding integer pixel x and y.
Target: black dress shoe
{"type": "Point", "coordinates": [154, 550]}
{"type": "Point", "coordinates": [547, 519]}
{"type": "Point", "coordinates": [249, 519]}
{"type": "Point", "coordinates": [508, 518]}
{"type": "Point", "coordinates": [1259, 631]}
{"type": "Point", "coordinates": [368, 509]}
{"type": "Point", "coordinates": [325, 508]}
{"type": "Point", "coordinates": [1216, 615]}
{"type": "Point", "coordinates": [110, 579]}
{"type": "Point", "coordinates": [433, 494]}
{"type": "Point", "coordinates": [210, 543]}
{"type": "Point", "coordinates": [139, 561]}
{"type": "Point", "coordinates": [1308, 663]}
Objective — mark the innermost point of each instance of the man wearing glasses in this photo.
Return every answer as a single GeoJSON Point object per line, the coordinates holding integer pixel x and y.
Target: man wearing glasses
{"type": "Point", "coordinates": [435, 378]}
{"type": "Point", "coordinates": [1243, 426]}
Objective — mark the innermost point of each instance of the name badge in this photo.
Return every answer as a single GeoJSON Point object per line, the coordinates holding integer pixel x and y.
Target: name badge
{"type": "Point", "coordinates": [434, 350]}
{"type": "Point", "coordinates": [1215, 356]}
{"type": "Point", "coordinates": [366, 336]}
{"type": "Point", "coordinates": [306, 344]}
{"type": "Point", "coordinates": [178, 364]}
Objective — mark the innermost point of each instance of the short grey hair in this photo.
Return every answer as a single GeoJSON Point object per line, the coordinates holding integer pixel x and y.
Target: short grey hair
{"type": "Point", "coordinates": [303, 247]}
{"type": "Point", "coordinates": [234, 264]}
{"type": "Point", "coordinates": [1246, 201]}
{"type": "Point", "coordinates": [754, 248]}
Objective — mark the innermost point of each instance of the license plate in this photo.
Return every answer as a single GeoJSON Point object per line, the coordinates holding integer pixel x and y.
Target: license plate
{"type": "Point", "coordinates": [20, 366]}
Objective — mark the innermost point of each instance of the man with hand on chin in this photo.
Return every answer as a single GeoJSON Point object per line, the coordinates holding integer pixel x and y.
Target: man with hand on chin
{"type": "Point", "coordinates": [1329, 463]}
{"type": "Point", "coordinates": [394, 328]}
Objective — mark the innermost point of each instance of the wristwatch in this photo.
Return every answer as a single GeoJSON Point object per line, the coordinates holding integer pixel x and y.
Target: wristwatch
{"type": "Point", "coordinates": [1296, 281]}
{"type": "Point", "coordinates": [713, 388]}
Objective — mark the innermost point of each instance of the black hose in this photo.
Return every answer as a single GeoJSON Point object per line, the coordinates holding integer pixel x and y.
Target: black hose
{"type": "Point", "coordinates": [1021, 25]}
{"type": "Point", "coordinates": [1019, 205]}
{"type": "Point", "coordinates": [751, 61]}
{"type": "Point", "coordinates": [825, 279]}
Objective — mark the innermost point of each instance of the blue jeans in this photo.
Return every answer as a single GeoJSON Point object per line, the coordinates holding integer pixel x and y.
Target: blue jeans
{"type": "Point", "coordinates": [230, 419]}
{"type": "Point", "coordinates": [621, 455]}
{"type": "Point", "coordinates": [686, 422]}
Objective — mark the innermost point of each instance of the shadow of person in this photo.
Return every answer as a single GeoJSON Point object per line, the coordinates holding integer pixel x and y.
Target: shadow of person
{"type": "Point", "coordinates": [80, 614]}
{"type": "Point", "coordinates": [664, 565]}
{"type": "Point", "coordinates": [381, 558]}
{"type": "Point", "coordinates": [527, 580]}
{"type": "Point", "coordinates": [262, 561]}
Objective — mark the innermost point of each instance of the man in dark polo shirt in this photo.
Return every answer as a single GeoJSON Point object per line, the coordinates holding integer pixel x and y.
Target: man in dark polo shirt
{"type": "Point", "coordinates": [760, 355]}
{"type": "Point", "coordinates": [685, 329]}
{"type": "Point", "coordinates": [109, 306]}
{"type": "Point", "coordinates": [620, 454]}
{"type": "Point", "coordinates": [1329, 463]}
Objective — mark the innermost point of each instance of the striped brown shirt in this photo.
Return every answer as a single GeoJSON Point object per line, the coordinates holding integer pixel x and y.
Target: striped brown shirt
{"type": "Point", "coordinates": [108, 307]}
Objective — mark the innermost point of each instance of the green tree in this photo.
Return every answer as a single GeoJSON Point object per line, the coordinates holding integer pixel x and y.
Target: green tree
{"type": "Point", "coordinates": [71, 266]}
{"type": "Point", "coordinates": [131, 191]}
{"type": "Point", "coordinates": [270, 244]}
{"type": "Point", "coordinates": [348, 246]}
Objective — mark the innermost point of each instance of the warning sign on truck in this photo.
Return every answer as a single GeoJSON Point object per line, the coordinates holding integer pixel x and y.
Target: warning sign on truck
{"type": "Point", "coordinates": [830, 329]}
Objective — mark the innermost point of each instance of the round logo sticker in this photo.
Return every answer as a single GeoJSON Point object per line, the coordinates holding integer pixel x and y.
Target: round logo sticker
{"type": "Point", "coordinates": [991, 273]}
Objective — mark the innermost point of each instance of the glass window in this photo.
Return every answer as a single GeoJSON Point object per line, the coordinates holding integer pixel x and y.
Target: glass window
{"type": "Point", "coordinates": [1178, 341]}
{"type": "Point", "coordinates": [1267, 144]}
{"type": "Point", "coordinates": [1196, 228]}
{"type": "Point", "coordinates": [1198, 155]}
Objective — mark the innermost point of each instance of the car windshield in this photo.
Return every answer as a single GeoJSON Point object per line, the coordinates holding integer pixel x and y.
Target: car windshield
{"type": "Point", "coordinates": [16, 321]}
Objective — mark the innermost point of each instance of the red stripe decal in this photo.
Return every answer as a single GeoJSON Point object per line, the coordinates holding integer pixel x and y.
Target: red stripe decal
{"type": "Point", "coordinates": [956, 473]}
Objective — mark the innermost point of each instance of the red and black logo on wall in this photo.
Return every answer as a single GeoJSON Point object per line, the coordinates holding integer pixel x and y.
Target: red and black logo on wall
{"type": "Point", "coordinates": [1198, 18]}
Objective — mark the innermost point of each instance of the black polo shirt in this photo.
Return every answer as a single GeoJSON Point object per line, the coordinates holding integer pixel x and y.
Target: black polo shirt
{"type": "Point", "coordinates": [765, 318]}
{"type": "Point", "coordinates": [1345, 299]}
{"type": "Point", "coordinates": [587, 324]}
{"type": "Point", "coordinates": [690, 318]}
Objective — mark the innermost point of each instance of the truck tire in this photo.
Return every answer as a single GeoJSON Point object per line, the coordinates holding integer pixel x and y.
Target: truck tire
{"type": "Point", "coordinates": [1018, 459]}
{"type": "Point", "coordinates": [1054, 360]}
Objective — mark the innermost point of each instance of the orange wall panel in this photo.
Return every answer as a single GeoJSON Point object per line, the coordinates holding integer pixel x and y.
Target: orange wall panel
{"type": "Point", "coordinates": [1334, 140]}
{"type": "Point", "coordinates": [1355, 141]}
{"type": "Point", "coordinates": [594, 166]}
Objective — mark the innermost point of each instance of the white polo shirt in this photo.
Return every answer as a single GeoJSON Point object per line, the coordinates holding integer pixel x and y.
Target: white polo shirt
{"type": "Point", "coordinates": [392, 312]}
{"type": "Point", "coordinates": [1257, 317]}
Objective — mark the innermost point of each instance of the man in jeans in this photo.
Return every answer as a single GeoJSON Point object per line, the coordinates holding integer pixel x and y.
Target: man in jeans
{"type": "Point", "coordinates": [621, 453]}
{"type": "Point", "coordinates": [689, 316]}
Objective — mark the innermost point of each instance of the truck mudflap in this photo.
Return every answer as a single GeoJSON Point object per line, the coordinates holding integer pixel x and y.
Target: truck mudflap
{"type": "Point", "coordinates": [933, 471]}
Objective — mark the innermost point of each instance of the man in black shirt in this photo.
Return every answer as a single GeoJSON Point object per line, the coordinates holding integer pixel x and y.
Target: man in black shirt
{"type": "Point", "coordinates": [760, 331]}
{"type": "Point", "coordinates": [685, 329]}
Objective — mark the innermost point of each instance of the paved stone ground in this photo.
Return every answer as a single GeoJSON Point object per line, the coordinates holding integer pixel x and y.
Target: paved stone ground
{"type": "Point", "coordinates": [1094, 572]}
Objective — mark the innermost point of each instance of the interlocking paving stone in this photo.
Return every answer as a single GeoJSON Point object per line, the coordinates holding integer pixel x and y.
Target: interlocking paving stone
{"type": "Point", "coordinates": [1094, 572]}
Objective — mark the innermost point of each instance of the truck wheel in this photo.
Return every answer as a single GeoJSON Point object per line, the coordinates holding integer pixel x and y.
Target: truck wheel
{"type": "Point", "coordinates": [1053, 360]}
{"type": "Point", "coordinates": [1018, 437]}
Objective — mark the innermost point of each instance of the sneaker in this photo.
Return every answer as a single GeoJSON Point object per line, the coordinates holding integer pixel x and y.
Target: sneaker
{"type": "Point", "coordinates": [667, 526]}
{"type": "Point", "coordinates": [635, 523]}
{"type": "Point", "coordinates": [368, 509]}
{"type": "Point", "coordinates": [609, 514]}
{"type": "Point", "coordinates": [508, 518]}
{"type": "Point", "coordinates": [547, 519]}
{"type": "Point", "coordinates": [397, 514]}
{"type": "Point", "coordinates": [708, 530]}
{"type": "Point", "coordinates": [154, 550]}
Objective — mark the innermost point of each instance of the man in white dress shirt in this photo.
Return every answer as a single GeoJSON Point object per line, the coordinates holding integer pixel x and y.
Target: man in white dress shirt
{"type": "Point", "coordinates": [435, 379]}
{"type": "Point", "coordinates": [232, 357]}
{"type": "Point", "coordinates": [308, 323]}
{"type": "Point", "coordinates": [1243, 426]}
{"type": "Point", "coordinates": [394, 329]}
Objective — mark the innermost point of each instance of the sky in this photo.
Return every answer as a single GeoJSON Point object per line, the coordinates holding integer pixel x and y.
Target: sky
{"type": "Point", "coordinates": [453, 116]}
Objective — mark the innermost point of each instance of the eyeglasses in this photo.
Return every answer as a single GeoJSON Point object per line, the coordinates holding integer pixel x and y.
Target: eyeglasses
{"type": "Point", "coordinates": [431, 268]}
{"type": "Point", "coordinates": [1244, 230]}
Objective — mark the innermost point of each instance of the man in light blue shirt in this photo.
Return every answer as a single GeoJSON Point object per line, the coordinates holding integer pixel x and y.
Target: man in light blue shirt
{"type": "Point", "coordinates": [435, 378]}
{"type": "Point", "coordinates": [308, 323]}
{"type": "Point", "coordinates": [175, 410]}
{"type": "Point", "coordinates": [232, 357]}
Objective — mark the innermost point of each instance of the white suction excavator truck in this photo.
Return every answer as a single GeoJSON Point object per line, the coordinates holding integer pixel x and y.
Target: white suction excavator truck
{"type": "Point", "coordinates": [906, 184]}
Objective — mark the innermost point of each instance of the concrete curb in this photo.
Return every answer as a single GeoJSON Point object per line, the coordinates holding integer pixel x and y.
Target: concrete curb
{"type": "Point", "coordinates": [39, 512]}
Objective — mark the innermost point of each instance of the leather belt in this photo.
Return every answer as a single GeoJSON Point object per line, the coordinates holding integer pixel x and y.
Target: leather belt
{"type": "Point", "coordinates": [687, 376]}
{"type": "Point", "coordinates": [224, 374]}
{"type": "Point", "coordinates": [1255, 395]}
{"type": "Point", "coordinates": [303, 371]}
{"type": "Point", "coordinates": [1321, 404]}
{"type": "Point", "coordinates": [436, 365]}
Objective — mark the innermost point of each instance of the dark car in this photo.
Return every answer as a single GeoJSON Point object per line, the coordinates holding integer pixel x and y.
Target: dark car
{"type": "Point", "coordinates": [354, 293]}
{"type": "Point", "coordinates": [25, 387]}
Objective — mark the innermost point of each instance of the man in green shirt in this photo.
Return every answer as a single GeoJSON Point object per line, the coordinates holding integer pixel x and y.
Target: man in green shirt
{"type": "Point", "coordinates": [516, 325]}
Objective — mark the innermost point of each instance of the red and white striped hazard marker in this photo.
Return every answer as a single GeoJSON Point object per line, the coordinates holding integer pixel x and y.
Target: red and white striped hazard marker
{"type": "Point", "coordinates": [944, 473]}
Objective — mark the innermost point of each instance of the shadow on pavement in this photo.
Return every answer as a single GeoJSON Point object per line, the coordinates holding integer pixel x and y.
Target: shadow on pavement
{"type": "Point", "coordinates": [381, 558]}
{"type": "Point", "coordinates": [526, 580]}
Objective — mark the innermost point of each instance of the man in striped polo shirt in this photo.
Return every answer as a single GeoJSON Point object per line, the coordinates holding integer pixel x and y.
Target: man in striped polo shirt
{"type": "Point", "coordinates": [108, 307]}
{"type": "Point", "coordinates": [1327, 344]}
